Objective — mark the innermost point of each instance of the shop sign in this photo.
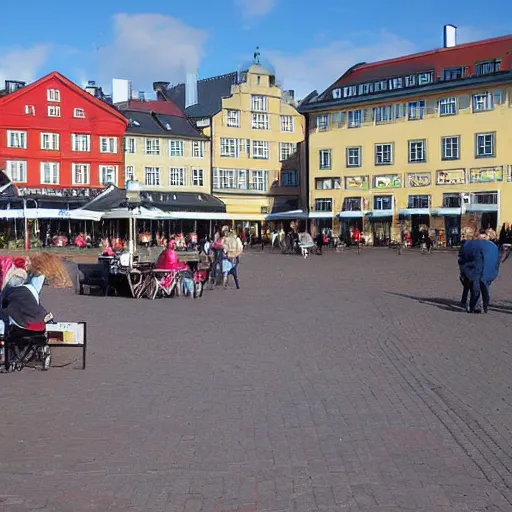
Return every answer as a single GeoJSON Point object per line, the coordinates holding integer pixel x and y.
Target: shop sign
{"type": "Point", "coordinates": [419, 179]}
{"type": "Point", "coordinates": [356, 182]}
{"type": "Point", "coordinates": [387, 181]}
{"type": "Point", "coordinates": [451, 177]}
{"type": "Point", "coordinates": [486, 174]}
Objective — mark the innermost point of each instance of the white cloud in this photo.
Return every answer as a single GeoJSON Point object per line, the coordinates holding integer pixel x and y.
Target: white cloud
{"type": "Point", "coordinates": [318, 67]}
{"type": "Point", "coordinates": [18, 63]}
{"type": "Point", "coordinates": [151, 47]}
{"type": "Point", "coordinates": [255, 8]}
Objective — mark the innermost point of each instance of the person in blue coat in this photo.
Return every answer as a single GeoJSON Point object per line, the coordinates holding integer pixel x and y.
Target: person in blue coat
{"type": "Point", "coordinates": [491, 268]}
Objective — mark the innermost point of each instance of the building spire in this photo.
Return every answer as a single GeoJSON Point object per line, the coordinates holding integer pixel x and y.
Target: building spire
{"type": "Point", "coordinates": [257, 55]}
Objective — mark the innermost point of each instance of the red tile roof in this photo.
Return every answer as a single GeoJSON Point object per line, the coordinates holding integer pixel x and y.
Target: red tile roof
{"type": "Point", "coordinates": [461, 55]}
{"type": "Point", "coordinates": [165, 107]}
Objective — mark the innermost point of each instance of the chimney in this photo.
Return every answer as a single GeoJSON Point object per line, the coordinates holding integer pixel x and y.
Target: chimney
{"type": "Point", "coordinates": [160, 86]}
{"type": "Point", "coordinates": [450, 36]}
{"type": "Point", "coordinates": [191, 90]}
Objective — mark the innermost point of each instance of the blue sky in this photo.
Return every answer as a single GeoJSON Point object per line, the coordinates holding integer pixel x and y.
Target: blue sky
{"type": "Point", "coordinates": [309, 43]}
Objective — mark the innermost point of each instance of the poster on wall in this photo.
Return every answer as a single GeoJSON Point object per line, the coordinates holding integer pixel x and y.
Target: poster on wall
{"type": "Point", "coordinates": [451, 177]}
{"type": "Point", "coordinates": [419, 179]}
{"type": "Point", "coordinates": [356, 183]}
{"type": "Point", "coordinates": [486, 174]}
{"type": "Point", "coordinates": [387, 181]}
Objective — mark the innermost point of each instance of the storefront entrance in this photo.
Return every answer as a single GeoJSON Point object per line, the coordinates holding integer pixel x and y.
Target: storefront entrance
{"type": "Point", "coordinates": [489, 220]}
{"type": "Point", "coordinates": [452, 230]}
{"type": "Point", "coordinates": [418, 221]}
{"type": "Point", "coordinates": [347, 223]}
{"type": "Point", "coordinates": [381, 231]}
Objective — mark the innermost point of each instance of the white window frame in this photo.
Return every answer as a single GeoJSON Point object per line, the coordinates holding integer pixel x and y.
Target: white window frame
{"type": "Point", "coordinates": [482, 102]}
{"type": "Point", "coordinates": [383, 114]}
{"type": "Point", "coordinates": [17, 170]}
{"type": "Point", "coordinates": [415, 149]}
{"type": "Point", "coordinates": [152, 146]}
{"type": "Point", "coordinates": [176, 148]}
{"type": "Point", "coordinates": [53, 110]}
{"type": "Point", "coordinates": [53, 173]}
{"type": "Point", "coordinates": [480, 143]}
{"type": "Point", "coordinates": [259, 180]}
{"type": "Point", "coordinates": [324, 159]}
{"type": "Point", "coordinates": [450, 147]}
{"type": "Point", "coordinates": [381, 151]}
{"type": "Point", "coordinates": [287, 123]}
{"type": "Point", "coordinates": [198, 148]}
{"type": "Point", "coordinates": [53, 95]}
{"type": "Point", "coordinates": [17, 139]}
{"type": "Point", "coordinates": [322, 122]}
{"type": "Point", "coordinates": [154, 174]}
{"type": "Point", "coordinates": [177, 176]}
{"type": "Point", "coordinates": [103, 169]}
{"type": "Point", "coordinates": [447, 106]}
{"type": "Point", "coordinates": [229, 147]}
{"type": "Point", "coordinates": [260, 149]}
{"type": "Point", "coordinates": [84, 171]}
{"type": "Point", "coordinates": [130, 145]}
{"type": "Point", "coordinates": [79, 113]}
{"type": "Point", "coordinates": [129, 173]}
{"type": "Point", "coordinates": [327, 204]}
{"type": "Point", "coordinates": [108, 145]}
{"type": "Point", "coordinates": [286, 150]}
{"type": "Point", "coordinates": [233, 118]}
{"type": "Point", "coordinates": [260, 121]}
{"type": "Point", "coordinates": [259, 103]}
{"type": "Point", "coordinates": [354, 154]}
{"type": "Point", "coordinates": [30, 110]}
{"type": "Point", "coordinates": [50, 141]}
{"type": "Point", "coordinates": [197, 177]}
{"type": "Point", "coordinates": [77, 142]}
{"type": "Point", "coordinates": [416, 110]}
{"type": "Point", "coordinates": [355, 118]}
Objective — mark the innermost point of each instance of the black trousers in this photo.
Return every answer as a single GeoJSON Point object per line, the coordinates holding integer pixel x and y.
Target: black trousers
{"type": "Point", "coordinates": [479, 289]}
{"type": "Point", "coordinates": [466, 288]}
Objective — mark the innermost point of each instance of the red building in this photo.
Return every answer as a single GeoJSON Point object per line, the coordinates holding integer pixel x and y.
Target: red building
{"type": "Point", "coordinates": [54, 135]}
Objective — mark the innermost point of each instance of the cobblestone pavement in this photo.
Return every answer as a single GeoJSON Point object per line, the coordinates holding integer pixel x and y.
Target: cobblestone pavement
{"type": "Point", "coordinates": [340, 383]}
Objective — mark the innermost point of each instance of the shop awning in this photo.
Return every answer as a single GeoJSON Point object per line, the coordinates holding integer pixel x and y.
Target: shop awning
{"type": "Point", "coordinates": [414, 211]}
{"type": "Point", "coordinates": [321, 215]}
{"type": "Point", "coordinates": [375, 214]}
{"type": "Point", "coordinates": [446, 211]}
{"type": "Point", "coordinates": [350, 214]}
{"type": "Point", "coordinates": [482, 208]}
{"type": "Point", "coordinates": [290, 215]}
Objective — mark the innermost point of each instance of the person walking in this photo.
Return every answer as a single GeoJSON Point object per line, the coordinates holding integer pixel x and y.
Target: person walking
{"type": "Point", "coordinates": [233, 248]}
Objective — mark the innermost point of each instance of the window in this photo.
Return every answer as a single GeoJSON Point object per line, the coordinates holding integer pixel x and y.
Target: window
{"type": "Point", "coordinates": [483, 102]}
{"type": "Point", "coordinates": [50, 141]}
{"type": "Point", "coordinates": [322, 122]}
{"type": "Point", "coordinates": [417, 151]}
{"type": "Point", "coordinates": [363, 89]}
{"type": "Point", "coordinates": [233, 118]}
{"type": "Point", "coordinates": [16, 139]}
{"type": "Point", "coordinates": [290, 178]}
{"type": "Point", "coordinates": [286, 150]}
{"type": "Point", "coordinates": [259, 180]}
{"type": "Point", "coordinates": [410, 81]}
{"type": "Point", "coordinates": [197, 177]}
{"type": "Point", "coordinates": [381, 85]}
{"type": "Point", "coordinates": [416, 109]}
{"type": "Point", "coordinates": [108, 144]}
{"type": "Point", "coordinates": [198, 149]}
{"type": "Point", "coordinates": [176, 148]}
{"type": "Point", "coordinates": [153, 147]}
{"type": "Point", "coordinates": [383, 203]}
{"type": "Point", "coordinates": [383, 154]}
{"type": "Point", "coordinates": [129, 173]}
{"type": "Point", "coordinates": [486, 68]}
{"type": "Point", "coordinates": [453, 73]}
{"type": "Point", "coordinates": [323, 205]}
{"type": "Point", "coordinates": [425, 78]}
{"type": "Point", "coordinates": [17, 170]}
{"type": "Point", "coordinates": [354, 157]}
{"type": "Point", "coordinates": [450, 148]}
{"type": "Point", "coordinates": [418, 202]}
{"type": "Point", "coordinates": [484, 198]}
{"type": "Point", "coordinates": [30, 110]}
{"type": "Point", "coordinates": [50, 173]}
{"type": "Point", "coordinates": [129, 145]}
{"type": "Point", "coordinates": [229, 148]}
{"type": "Point", "coordinates": [336, 93]}
{"type": "Point", "coordinates": [177, 176]}
{"type": "Point", "coordinates": [260, 121]}
{"type": "Point", "coordinates": [80, 142]}
{"type": "Point", "coordinates": [351, 204]}
{"type": "Point", "coordinates": [287, 123]}
{"type": "Point", "coordinates": [354, 118]}
{"type": "Point", "coordinates": [327, 183]}
{"type": "Point", "coordinates": [447, 106]}
{"type": "Point", "coordinates": [325, 158]}
{"type": "Point", "coordinates": [259, 103]}
{"type": "Point", "coordinates": [108, 174]}
{"type": "Point", "coordinates": [152, 176]}
{"type": "Point", "coordinates": [81, 174]}
{"type": "Point", "coordinates": [396, 83]}
{"type": "Point", "coordinates": [53, 95]}
{"type": "Point", "coordinates": [485, 145]}
{"type": "Point", "coordinates": [451, 201]}
{"type": "Point", "coordinates": [79, 113]}
{"type": "Point", "coordinates": [260, 149]}
{"type": "Point", "coordinates": [230, 179]}
{"type": "Point", "coordinates": [53, 111]}
{"type": "Point", "coordinates": [349, 91]}
{"type": "Point", "coordinates": [383, 114]}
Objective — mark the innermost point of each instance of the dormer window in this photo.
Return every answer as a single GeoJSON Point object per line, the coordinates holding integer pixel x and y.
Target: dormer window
{"type": "Point", "coordinates": [487, 68]}
{"type": "Point", "coordinates": [410, 81]}
{"type": "Point", "coordinates": [30, 110]}
{"type": "Point", "coordinates": [365, 89]}
{"type": "Point", "coordinates": [79, 113]}
{"type": "Point", "coordinates": [350, 91]}
{"type": "Point", "coordinates": [336, 94]}
{"type": "Point", "coordinates": [453, 73]}
{"type": "Point", "coordinates": [425, 78]}
{"type": "Point", "coordinates": [396, 83]}
{"type": "Point", "coordinates": [53, 95]}
{"type": "Point", "coordinates": [381, 85]}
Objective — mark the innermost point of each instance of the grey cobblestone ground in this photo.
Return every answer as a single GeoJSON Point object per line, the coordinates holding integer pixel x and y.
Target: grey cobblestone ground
{"type": "Point", "coordinates": [341, 383]}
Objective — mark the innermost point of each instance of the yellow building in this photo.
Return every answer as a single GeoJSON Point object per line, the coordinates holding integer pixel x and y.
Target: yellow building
{"type": "Point", "coordinates": [419, 140]}
{"type": "Point", "coordinates": [166, 153]}
{"type": "Point", "coordinates": [256, 135]}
